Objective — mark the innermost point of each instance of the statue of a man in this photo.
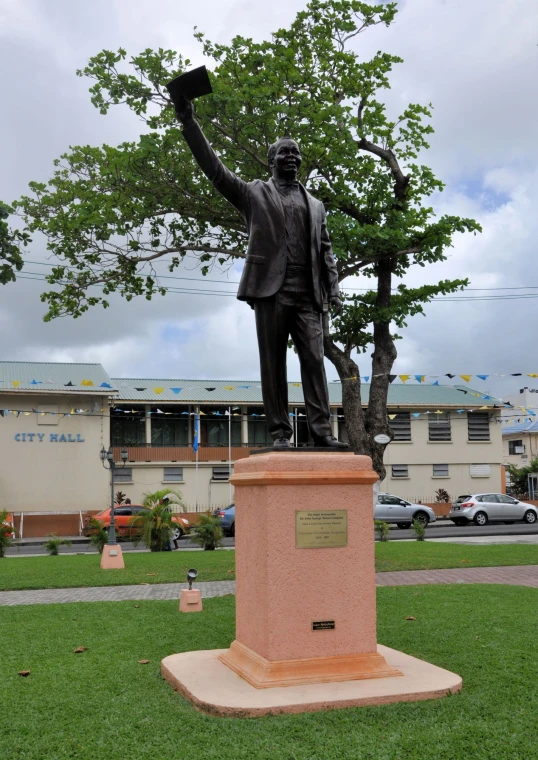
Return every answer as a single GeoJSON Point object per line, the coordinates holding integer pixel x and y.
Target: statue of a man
{"type": "Point", "coordinates": [289, 276]}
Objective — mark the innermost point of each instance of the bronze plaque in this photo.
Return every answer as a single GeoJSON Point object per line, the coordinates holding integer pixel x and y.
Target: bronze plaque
{"type": "Point", "coordinates": [323, 625]}
{"type": "Point", "coordinates": [320, 529]}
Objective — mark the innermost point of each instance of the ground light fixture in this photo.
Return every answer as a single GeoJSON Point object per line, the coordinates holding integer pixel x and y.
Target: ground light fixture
{"type": "Point", "coordinates": [192, 575]}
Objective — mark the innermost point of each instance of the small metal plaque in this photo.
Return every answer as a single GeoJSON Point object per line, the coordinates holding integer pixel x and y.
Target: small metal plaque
{"type": "Point", "coordinates": [113, 553]}
{"type": "Point", "coordinates": [323, 625]}
{"type": "Point", "coordinates": [320, 529]}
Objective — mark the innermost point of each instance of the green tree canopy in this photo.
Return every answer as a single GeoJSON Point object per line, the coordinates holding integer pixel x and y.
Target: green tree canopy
{"type": "Point", "coordinates": [109, 213]}
{"type": "Point", "coordinates": [10, 247]}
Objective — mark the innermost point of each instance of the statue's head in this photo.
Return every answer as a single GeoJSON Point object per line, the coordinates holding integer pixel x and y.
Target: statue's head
{"type": "Point", "coordinates": [284, 158]}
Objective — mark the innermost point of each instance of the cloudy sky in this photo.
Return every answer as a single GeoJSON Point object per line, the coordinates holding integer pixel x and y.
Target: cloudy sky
{"type": "Point", "coordinates": [476, 61]}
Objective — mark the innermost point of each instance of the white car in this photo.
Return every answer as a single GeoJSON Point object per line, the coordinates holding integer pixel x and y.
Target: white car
{"type": "Point", "coordinates": [393, 509]}
{"type": "Point", "coordinates": [480, 508]}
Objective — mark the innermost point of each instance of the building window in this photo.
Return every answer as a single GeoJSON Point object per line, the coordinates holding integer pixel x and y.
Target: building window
{"type": "Point", "coordinates": [400, 471]}
{"type": "Point", "coordinates": [516, 447]}
{"type": "Point", "coordinates": [214, 427]}
{"type": "Point", "coordinates": [440, 471]}
{"type": "Point", "coordinates": [401, 426]}
{"type": "Point", "coordinates": [439, 427]}
{"type": "Point", "coordinates": [258, 435]}
{"type": "Point", "coordinates": [170, 428]}
{"type": "Point", "coordinates": [172, 474]}
{"type": "Point", "coordinates": [123, 475]}
{"type": "Point", "coordinates": [127, 429]}
{"type": "Point", "coordinates": [221, 473]}
{"type": "Point", "coordinates": [480, 470]}
{"type": "Point", "coordinates": [478, 426]}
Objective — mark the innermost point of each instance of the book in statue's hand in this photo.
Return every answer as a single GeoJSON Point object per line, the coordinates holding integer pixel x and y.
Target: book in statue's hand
{"type": "Point", "coordinates": [192, 84]}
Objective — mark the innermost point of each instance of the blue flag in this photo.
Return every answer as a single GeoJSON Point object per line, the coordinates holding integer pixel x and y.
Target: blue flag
{"type": "Point", "coordinates": [196, 437]}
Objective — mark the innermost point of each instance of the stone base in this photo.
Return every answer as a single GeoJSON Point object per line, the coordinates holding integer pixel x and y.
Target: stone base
{"type": "Point", "coordinates": [265, 674]}
{"type": "Point", "coordinates": [112, 557]}
{"type": "Point", "coordinates": [190, 600]}
{"type": "Point", "coordinates": [215, 689]}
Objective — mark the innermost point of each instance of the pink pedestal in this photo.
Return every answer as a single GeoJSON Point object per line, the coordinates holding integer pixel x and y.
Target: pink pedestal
{"type": "Point", "coordinates": [112, 558]}
{"type": "Point", "coordinates": [305, 617]}
{"type": "Point", "coordinates": [190, 600]}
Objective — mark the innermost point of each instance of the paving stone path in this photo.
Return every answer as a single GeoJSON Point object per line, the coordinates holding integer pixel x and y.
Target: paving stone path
{"type": "Point", "coordinates": [523, 575]}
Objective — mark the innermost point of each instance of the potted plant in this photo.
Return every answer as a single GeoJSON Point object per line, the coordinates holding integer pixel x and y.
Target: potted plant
{"type": "Point", "coordinates": [155, 527]}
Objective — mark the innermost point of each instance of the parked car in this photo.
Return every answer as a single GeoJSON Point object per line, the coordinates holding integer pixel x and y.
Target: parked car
{"type": "Point", "coordinates": [480, 508]}
{"type": "Point", "coordinates": [393, 509]}
{"type": "Point", "coordinates": [227, 517]}
{"type": "Point", "coordinates": [123, 517]}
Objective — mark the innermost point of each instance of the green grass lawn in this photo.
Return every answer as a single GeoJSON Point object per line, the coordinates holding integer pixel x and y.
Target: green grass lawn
{"type": "Point", "coordinates": [170, 567]}
{"type": "Point", "coordinates": [103, 705]}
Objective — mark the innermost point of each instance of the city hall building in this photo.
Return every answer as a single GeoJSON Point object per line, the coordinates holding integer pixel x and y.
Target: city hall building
{"type": "Point", "coordinates": [55, 418]}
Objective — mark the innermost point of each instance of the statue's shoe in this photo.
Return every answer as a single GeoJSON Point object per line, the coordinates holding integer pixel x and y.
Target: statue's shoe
{"type": "Point", "coordinates": [281, 444]}
{"type": "Point", "coordinates": [329, 442]}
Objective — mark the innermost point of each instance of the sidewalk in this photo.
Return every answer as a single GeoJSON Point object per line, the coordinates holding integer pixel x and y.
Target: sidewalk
{"type": "Point", "coordinates": [524, 575]}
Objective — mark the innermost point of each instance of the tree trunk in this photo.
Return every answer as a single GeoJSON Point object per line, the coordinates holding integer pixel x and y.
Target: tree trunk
{"type": "Point", "coordinates": [351, 391]}
{"type": "Point", "coordinates": [383, 359]}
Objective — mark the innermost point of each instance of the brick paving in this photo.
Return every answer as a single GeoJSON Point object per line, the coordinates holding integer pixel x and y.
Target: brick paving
{"type": "Point", "coordinates": [522, 575]}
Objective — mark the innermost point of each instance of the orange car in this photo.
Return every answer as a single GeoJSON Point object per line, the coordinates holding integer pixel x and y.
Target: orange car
{"type": "Point", "coordinates": [124, 514]}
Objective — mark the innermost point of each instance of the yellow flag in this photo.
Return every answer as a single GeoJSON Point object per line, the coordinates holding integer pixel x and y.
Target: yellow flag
{"type": "Point", "coordinates": [467, 378]}
{"type": "Point", "coordinates": [158, 390]}
{"type": "Point", "coordinates": [404, 378]}
{"type": "Point", "coordinates": [16, 383]}
{"type": "Point", "coordinates": [532, 374]}
{"type": "Point", "coordinates": [438, 412]}
{"type": "Point", "coordinates": [87, 382]}
{"type": "Point", "coordinates": [392, 416]}
{"type": "Point", "coordinates": [296, 385]}
{"type": "Point", "coordinates": [229, 387]}
{"type": "Point", "coordinates": [483, 407]}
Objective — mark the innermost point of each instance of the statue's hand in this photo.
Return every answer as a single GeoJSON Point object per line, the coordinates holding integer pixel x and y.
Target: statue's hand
{"type": "Point", "coordinates": [184, 110]}
{"type": "Point", "coordinates": [335, 305]}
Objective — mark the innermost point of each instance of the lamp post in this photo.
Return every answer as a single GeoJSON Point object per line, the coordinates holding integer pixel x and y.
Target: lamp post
{"type": "Point", "coordinates": [107, 460]}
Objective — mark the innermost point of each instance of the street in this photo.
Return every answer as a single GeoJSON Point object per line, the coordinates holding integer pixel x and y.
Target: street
{"type": "Point", "coordinates": [442, 529]}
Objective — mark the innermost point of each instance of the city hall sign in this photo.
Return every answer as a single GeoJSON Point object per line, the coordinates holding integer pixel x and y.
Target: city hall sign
{"type": "Point", "coordinates": [53, 438]}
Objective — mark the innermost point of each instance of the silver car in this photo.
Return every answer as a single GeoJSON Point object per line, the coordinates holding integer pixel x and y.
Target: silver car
{"type": "Point", "coordinates": [393, 509]}
{"type": "Point", "coordinates": [480, 508]}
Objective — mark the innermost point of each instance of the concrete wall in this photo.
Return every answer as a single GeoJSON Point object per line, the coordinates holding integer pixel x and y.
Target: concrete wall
{"type": "Point", "coordinates": [530, 441]}
{"type": "Point", "coordinates": [51, 464]}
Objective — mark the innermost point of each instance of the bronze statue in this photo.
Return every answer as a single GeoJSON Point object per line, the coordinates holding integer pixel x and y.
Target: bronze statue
{"type": "Point", "coordinates": [289, 278]}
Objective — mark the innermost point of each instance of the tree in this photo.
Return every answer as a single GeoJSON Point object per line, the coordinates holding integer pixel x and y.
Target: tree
{"type": "Point", "coordinates": [110, 213]}
{"type": "Point", "coordinates": [10, 241]}
{"type": "Point", "coordinates": [519, 478]}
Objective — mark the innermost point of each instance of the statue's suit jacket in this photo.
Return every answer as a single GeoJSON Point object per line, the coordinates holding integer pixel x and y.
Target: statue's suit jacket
{"type": "Point", "coordinates": [261, 206]}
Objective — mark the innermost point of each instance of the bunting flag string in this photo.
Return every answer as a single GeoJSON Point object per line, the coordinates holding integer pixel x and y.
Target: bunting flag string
{"type": "Point", "coordinates": [467, 378]}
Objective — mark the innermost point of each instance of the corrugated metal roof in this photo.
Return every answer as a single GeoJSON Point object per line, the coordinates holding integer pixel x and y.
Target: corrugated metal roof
{"type": "Point", "coordinates": [249, 392]}
{"type": "Point", "coordinates": [522, 427]}
{"type": "Point", "coordinates": [46, 377]}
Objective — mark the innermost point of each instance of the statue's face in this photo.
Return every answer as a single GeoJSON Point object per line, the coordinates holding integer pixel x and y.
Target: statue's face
{"type": "Point", "coordinates": [287, 159]}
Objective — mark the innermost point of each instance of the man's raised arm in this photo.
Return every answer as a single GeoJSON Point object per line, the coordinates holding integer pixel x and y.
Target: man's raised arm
{"type": "Point", "coordinates": [226, 182]}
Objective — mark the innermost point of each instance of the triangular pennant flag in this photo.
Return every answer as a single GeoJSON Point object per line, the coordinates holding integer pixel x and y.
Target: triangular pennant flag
{"type": "Point", "coordinates": [436, 382]}
{"type": "Point", "coordinates": [105, 385]}
{"type": "Point", "coordinates": [36, 382]}
{"type": "Point", "coordinates": [438, 412]}
{"type": "Point", "coordinates": [486, 397]}
{"type": "Point", "coordinates": [449, 375]}
{"type": "Point", "coordinates": [516, 374]}
{"type": "Point", "coordinates": [461, 390]}
{"type": "Point", "coordinates": [27, 414]}
{"type": "Point", "coordinates": [176, 390]}
{"type": "Point", "coordinates": [416, 414]}
{"type": "Point", "coordinates": [68, 385]}
{"type": "Point", "coordinates": [217, 414]}
{"type": "Point", "coordinates": [404, 378]}
{"type": "Point", "coordinates": [392, 378]}
{"type": "Point", "coordinates": [483, 377]}
{"type": "Point", "coordinates": [483, 407]}
{"type": "Point", "coordinates": [16, 383]}
{"type": "Point", "coordinates": [420, 378]}
{"type": "Point", "coordinates": [459, 411]}
{"type": "Point", "coordinates": [466, 378]}
{"type": "Point", "coordinates": [140, 389]}
{"type": "Point", "coordinates": [392, 416]}
{"type": "Point", "coordinates": [158, 390]}
{"type": "Point", "coordinates": [204, 413]}
{"type": "Point", "coordinates": [210, 389]}
{"type": "Point", "coordinates": [532, 374]}
{"type": "Point", "coordinates": [50, 381]}
{"type": "Point", "coordinates": [243, 386]}
{"type": "Point", "coordinates": [366, 378]}
{"type": "Point", "coordinates": [159, 411]}
{"type": "Point", "coordinates": [229, 387]}
{"type": "Point", "coordinates": [296, 385]}
{"type": "Point", "coordinates": [87, 382]}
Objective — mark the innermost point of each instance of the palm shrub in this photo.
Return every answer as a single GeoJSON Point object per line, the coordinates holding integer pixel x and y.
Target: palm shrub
{"type": "Point", "coordinates": [420, 530]}
{"type": "Point", "coordinates": [99, 535]}
{"type": "Point", "coordinates": [54, 543]}
{"type": "Point", "coordinates": [207, 532]}
{"type": "Point", "coordinates": [382, 530]}
{"type": "Point", "coordinates": [155, 528]}
{"type": "Point", "coordinates": [5, 533]}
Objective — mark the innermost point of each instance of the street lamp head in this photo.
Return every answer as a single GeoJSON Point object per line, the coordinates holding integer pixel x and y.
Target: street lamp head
{"type": "Point", "coordinates": [102, 454]}
{"type": "Point", "coordinates": [124, 454]}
